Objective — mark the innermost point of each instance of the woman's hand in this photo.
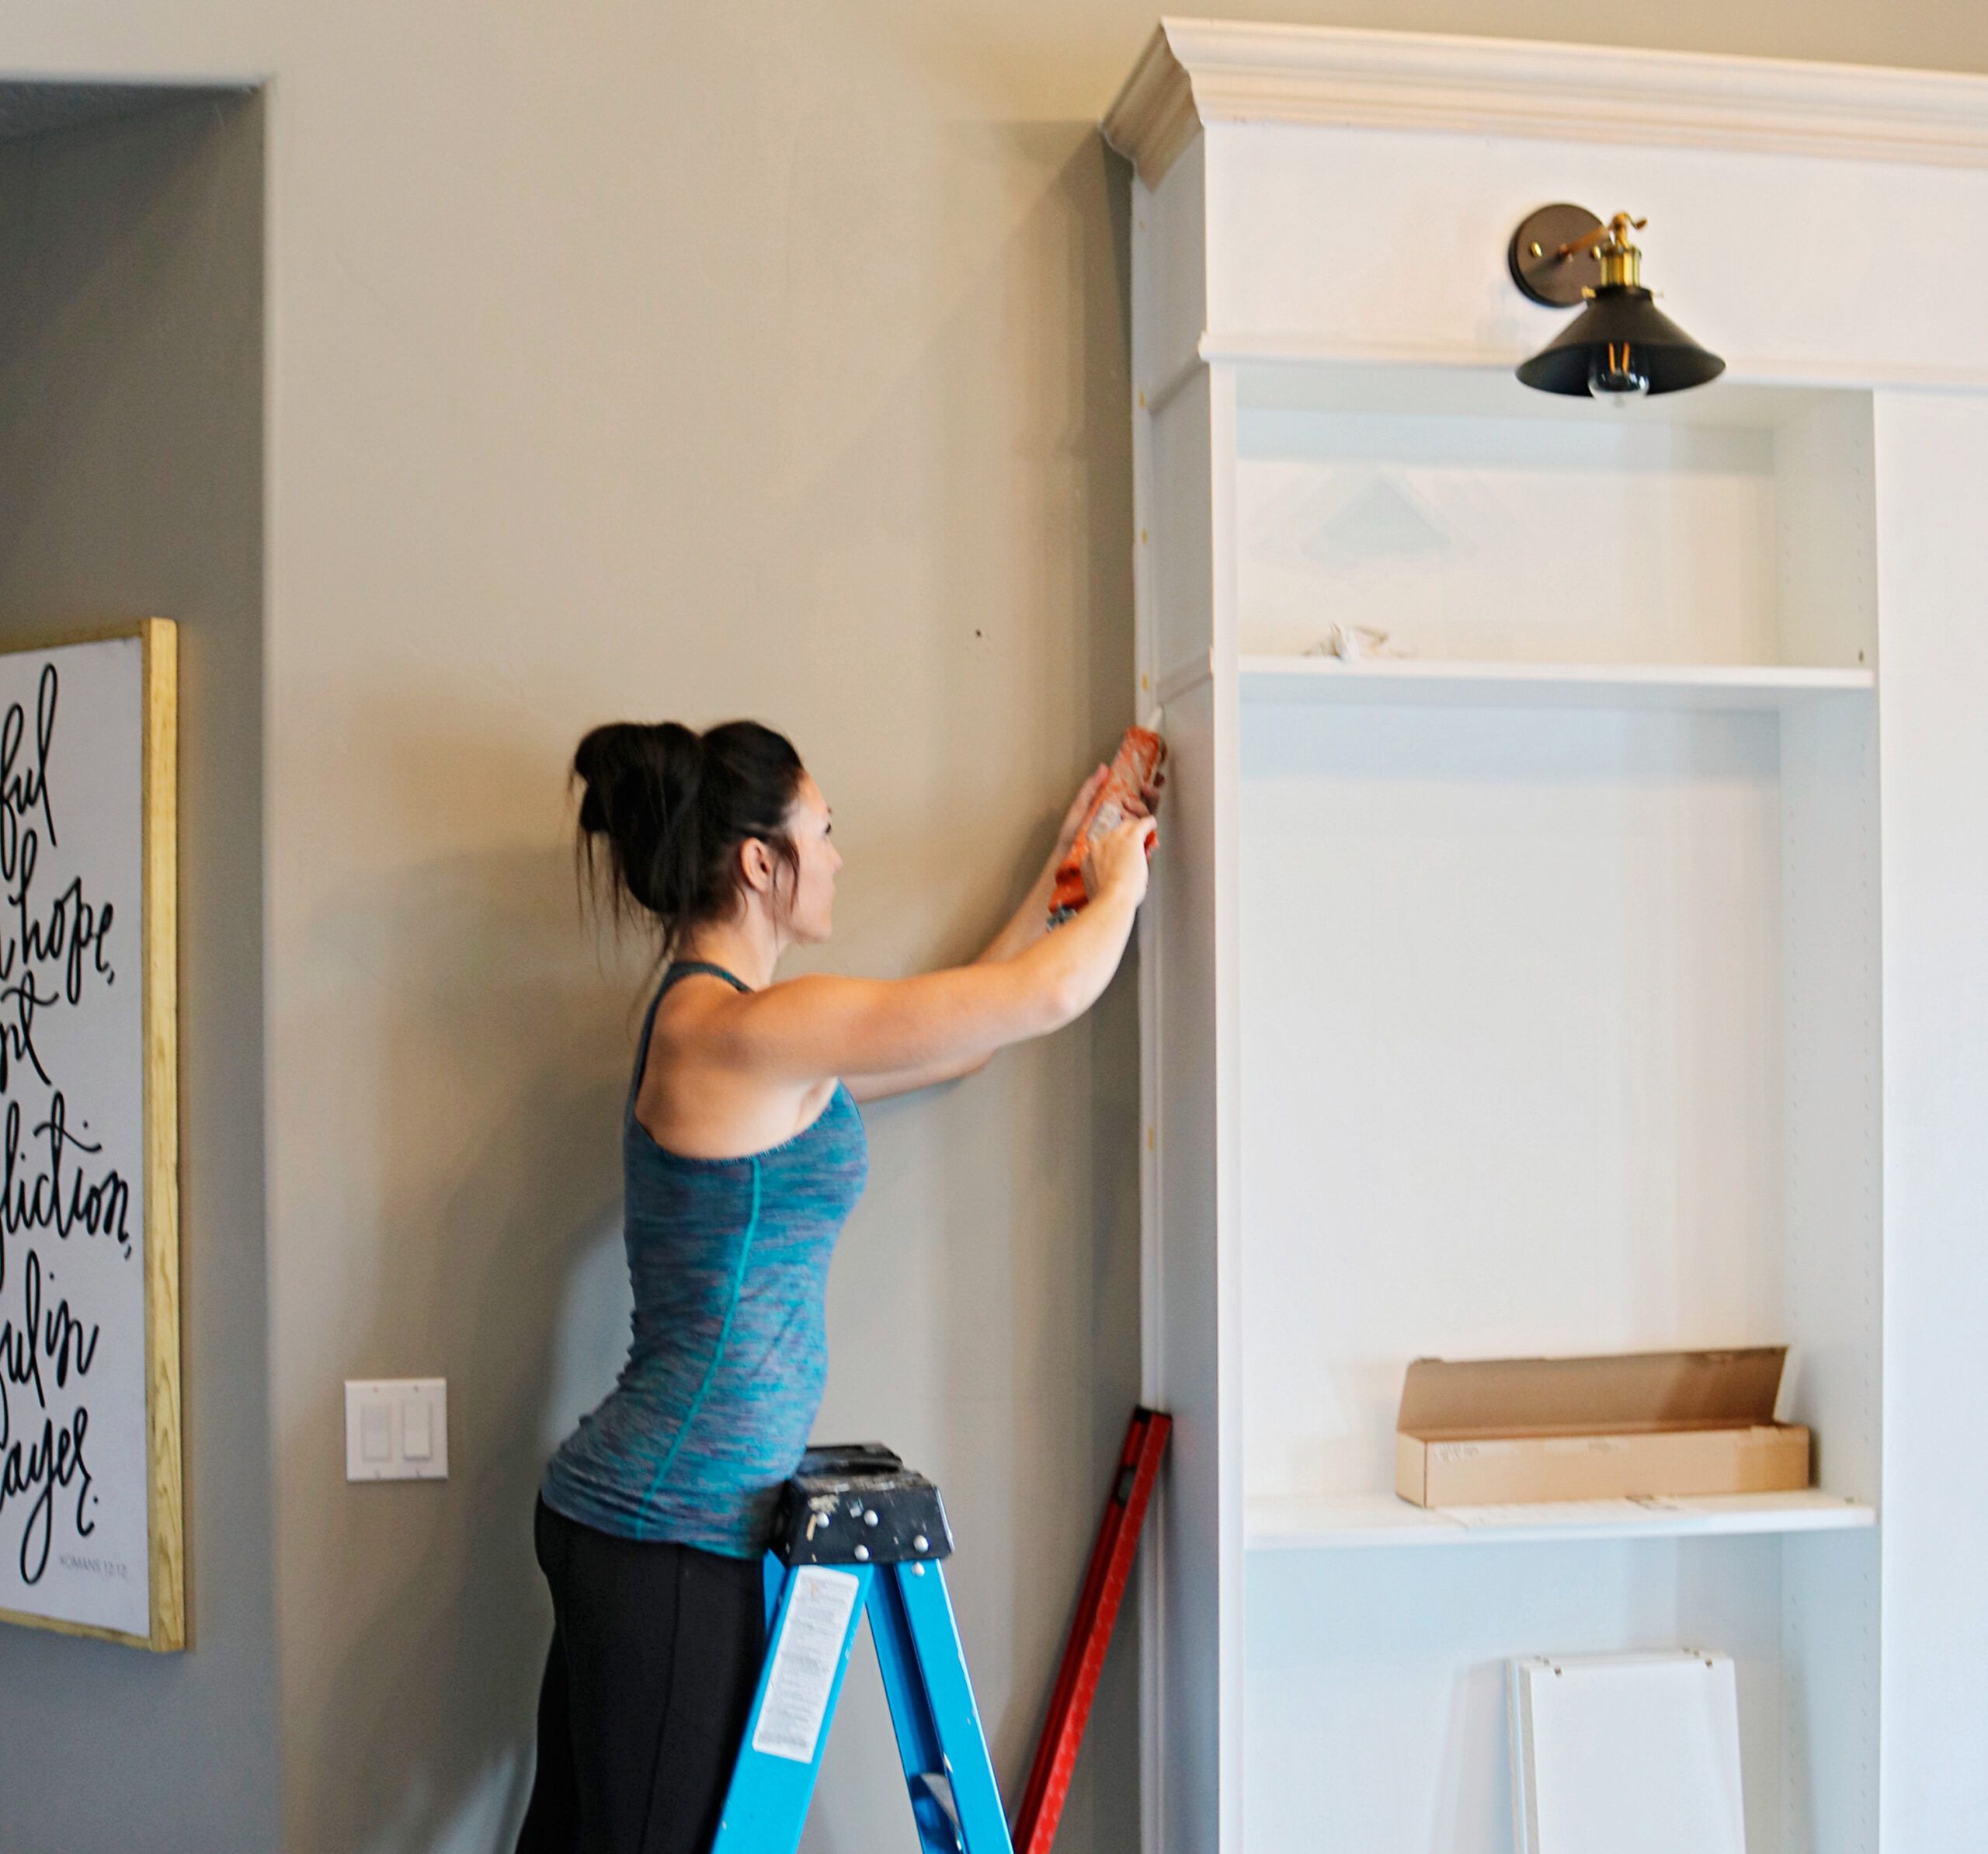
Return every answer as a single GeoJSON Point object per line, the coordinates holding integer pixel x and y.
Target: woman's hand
{"type": "Point", "coordinates": [1117, 860]}
{"type": "Point", "coordinates": [1146, 805]}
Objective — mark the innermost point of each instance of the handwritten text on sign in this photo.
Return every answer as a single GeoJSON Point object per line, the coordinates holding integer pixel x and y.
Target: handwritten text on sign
{"type": "Point", "coordinates": [72, 1458]}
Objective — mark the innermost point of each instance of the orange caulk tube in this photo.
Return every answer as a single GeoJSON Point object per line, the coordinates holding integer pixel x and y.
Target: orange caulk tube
{"type": "Point", "coordinates": [1140, 756]}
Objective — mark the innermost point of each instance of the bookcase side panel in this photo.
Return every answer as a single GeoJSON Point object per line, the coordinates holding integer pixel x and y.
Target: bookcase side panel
{"type": "Point", "coordinates": [1932, 467]}
{"type": "Point", "coordinates": [1169, 226]}
{"type": "Point", "coordinates": [1192, 1701]}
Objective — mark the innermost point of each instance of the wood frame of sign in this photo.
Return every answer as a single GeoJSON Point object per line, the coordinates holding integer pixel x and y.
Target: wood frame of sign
{"type": "Point", "coordinates": [159, 956]}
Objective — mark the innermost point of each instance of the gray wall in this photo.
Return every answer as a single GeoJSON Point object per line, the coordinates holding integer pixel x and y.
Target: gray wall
{"type": "Point", "coordinates": [130, 484]}
{"type": "Point", "coordinates": [653, 359]}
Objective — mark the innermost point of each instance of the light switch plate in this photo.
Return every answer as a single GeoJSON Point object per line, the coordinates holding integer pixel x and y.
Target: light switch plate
{"type": "Point", "coordinates": [398, 1411]}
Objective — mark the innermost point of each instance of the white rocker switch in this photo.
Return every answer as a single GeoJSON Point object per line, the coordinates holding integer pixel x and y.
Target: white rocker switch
{"type": "Point", "coordinates": [396, 1429]}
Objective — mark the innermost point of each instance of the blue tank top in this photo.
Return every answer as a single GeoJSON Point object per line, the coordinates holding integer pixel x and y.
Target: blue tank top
{"type": "Point", "coordinates": [729, 1259]}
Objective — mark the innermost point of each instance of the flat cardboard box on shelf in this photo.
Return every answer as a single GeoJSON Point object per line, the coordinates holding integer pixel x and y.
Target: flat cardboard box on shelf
{"type": "Point", "coordinates": [1645, 1424]}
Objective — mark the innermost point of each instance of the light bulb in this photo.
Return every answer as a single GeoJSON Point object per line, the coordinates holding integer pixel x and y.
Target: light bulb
{"type": "Point", "coordinates": [1616, 369]}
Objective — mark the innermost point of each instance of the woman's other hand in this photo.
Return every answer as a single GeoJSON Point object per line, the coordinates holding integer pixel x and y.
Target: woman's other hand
{"type": "Point", "coordinates": [1117, 860]}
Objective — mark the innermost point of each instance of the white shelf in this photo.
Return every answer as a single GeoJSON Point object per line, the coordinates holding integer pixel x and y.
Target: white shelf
{"type": "Point", "coordinates": [1416, 682]}
{"type": "Point", "coordinates": [1381, 1520]}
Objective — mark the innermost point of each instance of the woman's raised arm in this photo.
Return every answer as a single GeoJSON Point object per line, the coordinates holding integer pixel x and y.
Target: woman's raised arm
{"type": "Point", "coordinates": [943, 1022]}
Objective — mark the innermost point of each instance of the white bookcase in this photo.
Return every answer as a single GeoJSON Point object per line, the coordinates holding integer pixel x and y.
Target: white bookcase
{"type": "Point", "coordinates": [1610, 975]}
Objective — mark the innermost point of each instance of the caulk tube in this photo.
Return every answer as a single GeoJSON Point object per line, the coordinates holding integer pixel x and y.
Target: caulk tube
{"type": "Point", "coordinates": [1134, 767]}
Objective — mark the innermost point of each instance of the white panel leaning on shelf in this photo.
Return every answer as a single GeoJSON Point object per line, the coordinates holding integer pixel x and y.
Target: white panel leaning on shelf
{"type": "Point", "coordinates": [1637, 1753]}
{"type": "Point", "coordinates": [1525, 997]}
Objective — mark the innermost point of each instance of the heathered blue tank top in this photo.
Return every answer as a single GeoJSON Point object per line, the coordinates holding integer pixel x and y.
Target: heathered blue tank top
{"type": "Point", "coordinates": [729, 1259]}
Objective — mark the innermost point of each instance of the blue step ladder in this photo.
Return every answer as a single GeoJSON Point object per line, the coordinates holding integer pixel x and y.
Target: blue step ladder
{"type": "Point", "coordinates": [861, 1534]}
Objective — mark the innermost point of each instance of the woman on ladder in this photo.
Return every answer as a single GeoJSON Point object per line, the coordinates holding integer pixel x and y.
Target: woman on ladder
{"type": "Point", "coordinates": [743, 1154]}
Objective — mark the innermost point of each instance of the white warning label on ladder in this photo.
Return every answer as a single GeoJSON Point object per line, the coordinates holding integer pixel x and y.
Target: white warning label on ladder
{"type": "Point", "coordinates": [804, 1675]}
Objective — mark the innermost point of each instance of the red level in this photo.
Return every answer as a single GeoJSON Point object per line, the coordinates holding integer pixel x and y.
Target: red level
{"type": "Point", "coordinates": [1090, 1632]}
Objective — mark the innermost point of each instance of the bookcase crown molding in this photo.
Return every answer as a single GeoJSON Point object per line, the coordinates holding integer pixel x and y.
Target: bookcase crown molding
{"type": "Point", "coordinates": [1195, 72]}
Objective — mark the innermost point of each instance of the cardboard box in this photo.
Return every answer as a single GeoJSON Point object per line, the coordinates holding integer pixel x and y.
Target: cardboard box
{"type": "Point", "coordinates": [1498, 1429]}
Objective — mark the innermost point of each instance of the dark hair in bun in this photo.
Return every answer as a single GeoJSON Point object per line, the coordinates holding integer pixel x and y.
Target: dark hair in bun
{"type": "Point", "coordinates": [670, 807]}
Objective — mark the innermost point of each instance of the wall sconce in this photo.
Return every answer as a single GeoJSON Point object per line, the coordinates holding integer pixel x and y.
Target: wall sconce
{"type": "Point", "coordinates": [1621, 343]}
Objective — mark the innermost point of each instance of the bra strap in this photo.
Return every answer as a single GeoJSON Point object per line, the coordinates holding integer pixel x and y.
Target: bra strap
{"type": "Point", "coordinates": [683, 969]}
{"type": "Point", "coordinates": [678, 969]}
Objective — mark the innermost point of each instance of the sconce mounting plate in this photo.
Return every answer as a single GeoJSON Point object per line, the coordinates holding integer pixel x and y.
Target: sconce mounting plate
{"type": "Point", "coordinates": [1556, 281]}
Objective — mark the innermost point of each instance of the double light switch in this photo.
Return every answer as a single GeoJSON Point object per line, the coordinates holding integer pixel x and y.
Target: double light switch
{"type": "Point", "coordinates": [396, 1429]}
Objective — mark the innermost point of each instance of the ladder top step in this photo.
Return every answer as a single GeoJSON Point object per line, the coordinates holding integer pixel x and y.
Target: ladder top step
{"type": "Point", "coordinates": [856, 1503]}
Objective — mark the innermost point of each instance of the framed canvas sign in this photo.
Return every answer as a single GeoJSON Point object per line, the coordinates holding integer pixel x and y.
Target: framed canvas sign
{"type": "Point", "coordinates": [91, 1518]}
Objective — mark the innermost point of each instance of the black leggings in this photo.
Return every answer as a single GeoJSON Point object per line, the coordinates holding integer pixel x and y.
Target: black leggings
{"type": "Point", "coordinates": [655, 1653]}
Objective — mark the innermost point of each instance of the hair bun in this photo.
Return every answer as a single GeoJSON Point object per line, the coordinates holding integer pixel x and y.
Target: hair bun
{"type": "Point", "coordinates": [669, 806]}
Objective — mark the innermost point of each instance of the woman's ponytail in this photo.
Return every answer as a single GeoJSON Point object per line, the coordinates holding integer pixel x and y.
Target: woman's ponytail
{"type": "Point", "coordinates": [670, 807]}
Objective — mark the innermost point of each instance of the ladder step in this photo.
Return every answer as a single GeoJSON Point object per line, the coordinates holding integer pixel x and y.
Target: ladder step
{"type": "Point", "coordinates": [858, 1503]}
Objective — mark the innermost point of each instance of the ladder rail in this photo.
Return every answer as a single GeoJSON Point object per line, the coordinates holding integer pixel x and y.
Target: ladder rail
{"type": "Point", "coordinates": [917, 1593]}
{"type": "Point", "coordinates": [954, 1799]}
{"type": "Point", "coordinates": [779, 1757]}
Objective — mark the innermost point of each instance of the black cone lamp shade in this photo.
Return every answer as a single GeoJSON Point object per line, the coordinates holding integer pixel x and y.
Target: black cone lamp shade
{"type": "Point", "coordinates": [1621, 343]}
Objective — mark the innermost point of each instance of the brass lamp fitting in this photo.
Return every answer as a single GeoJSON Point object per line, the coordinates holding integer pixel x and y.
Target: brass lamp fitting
{"type": "Point", "coordinates": [1621, 261]}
